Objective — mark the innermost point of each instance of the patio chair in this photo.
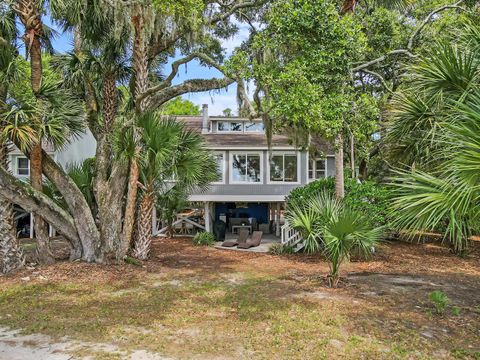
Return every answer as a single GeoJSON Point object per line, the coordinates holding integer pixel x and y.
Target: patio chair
{"type": "Point", "coordinates": [253, 242]}
{"type": "Point", "coordinates": [242, 239]}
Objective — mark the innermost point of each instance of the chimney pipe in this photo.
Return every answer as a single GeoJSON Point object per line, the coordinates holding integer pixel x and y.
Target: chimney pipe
{"type": "Point", "coordinates": [205, 119]}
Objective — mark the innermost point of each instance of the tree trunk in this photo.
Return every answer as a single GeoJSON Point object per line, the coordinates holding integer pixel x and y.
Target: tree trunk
{"type": "Point", "coordinates": [339, 177]}
{"type": "Point", "coordinates": [140, 66]}
{"type": "Point", "coordinates": [87, 248]}
{"type": "Point", "coordinates": [11, 255]}
{"type": "Point", "coordinates": [109, 193]}
{"type": "Point", "coordinates": [144, 236]}
{"type": "Point", "coordinates": [352, 155]}
{"type": "Point", "coordinates": [129, 218]}
{"type": "Point", "coordinates": [109, 90]}
{"type": "Point", "coordinates": [363, 170]}
{"type": "Point", "coordinates": [43, 252]}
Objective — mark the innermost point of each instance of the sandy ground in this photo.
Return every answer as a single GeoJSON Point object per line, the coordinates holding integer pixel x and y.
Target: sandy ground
{"type": "Point", "coordinates": [15, 346]}
{"type": "Point", "coordinates": [392, 283]}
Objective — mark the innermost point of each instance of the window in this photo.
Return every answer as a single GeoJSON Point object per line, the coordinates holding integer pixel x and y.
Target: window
{"type": "Point", "coordinates": [254, 127]}
{"type": "Point", "coordinates": [246, 167]}
{"type": "Point", "coordinates": [220, 159]}
{"type": "Point", "coordinates": [283, 167]}
{"type": "Point", "coordinates": [23, 166]}
{"type": "Point", "coordinates": [317, 169]}
{"type": "Point", "coordinates": [227, 126]}
{"type": "Point", "coordinates": [320, 168]}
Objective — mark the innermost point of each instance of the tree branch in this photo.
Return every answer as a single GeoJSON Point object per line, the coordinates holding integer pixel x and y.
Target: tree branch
{"type": "Point", "coordinates": [233, 9]}
{"type": "Point", "coordinates": [427, 20]}
{"type": "Point", "coordinates": [380, 78]}
{"type": "Point", "coordinates": [175, 67]}
{"type": "Point", "coordinates": [409, 48]}
{"type": "Point", "coordinates": [246, 103]}
{"type": "Point", "coordinates": [382, 58]}
{"type": "Point", "coordinates": [21, 193]}
{"type": "Point", "coordinates": [194, 85]}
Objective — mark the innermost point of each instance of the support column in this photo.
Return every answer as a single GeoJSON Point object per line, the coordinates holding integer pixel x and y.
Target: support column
{"type": "Point", "coordinates": [31, 226]}
{"type": "Point", "coordinates": [208, 217]}
{"type": "Point", "coordinates": [277, 220]}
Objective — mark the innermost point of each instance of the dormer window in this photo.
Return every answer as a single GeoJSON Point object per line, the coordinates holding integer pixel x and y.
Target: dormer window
{"type": "Point", "coordinates": [254, 127]}
{"type": "Point", "coordinates": [227, 126]}
{"type": "Point", "coordinates": [239, 126]}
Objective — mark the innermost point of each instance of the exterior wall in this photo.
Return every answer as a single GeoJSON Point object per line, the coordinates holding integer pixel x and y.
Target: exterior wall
{"type": "Point", "coordinates": [257, 192]}
{"type": "Point", "coordinates": [78, 150]}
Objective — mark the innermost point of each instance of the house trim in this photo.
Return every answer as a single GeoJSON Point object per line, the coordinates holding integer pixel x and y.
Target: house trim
{"type": "Point", "coordinates": [238, 198]}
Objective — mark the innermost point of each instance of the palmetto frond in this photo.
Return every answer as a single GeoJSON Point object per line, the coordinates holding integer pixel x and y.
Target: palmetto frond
{"type": "Point", "coordinates": [448, 199]}
{"type": "Point", "coordinates": [447, 69]}
{"type": "Point", "coordinates": [56, 116]}
{"type": "Point", "coordinates": [172, 152]}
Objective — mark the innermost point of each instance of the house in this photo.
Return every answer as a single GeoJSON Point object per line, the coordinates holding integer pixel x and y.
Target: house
{"type": "Point", "coordinates": [78, 150]}
{"type": "Point", "coordinates": [253, 182]}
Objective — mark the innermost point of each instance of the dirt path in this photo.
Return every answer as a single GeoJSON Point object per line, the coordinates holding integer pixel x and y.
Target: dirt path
{"type": "Point", "coordinates": [15, 346]}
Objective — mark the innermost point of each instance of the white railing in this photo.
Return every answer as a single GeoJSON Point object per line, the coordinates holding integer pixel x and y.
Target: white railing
{"type": "Point", "coordinates": [291, 237]}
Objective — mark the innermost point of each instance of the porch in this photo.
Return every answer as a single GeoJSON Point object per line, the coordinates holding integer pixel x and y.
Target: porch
{"type": "Point", "coordinates": [266, 217]}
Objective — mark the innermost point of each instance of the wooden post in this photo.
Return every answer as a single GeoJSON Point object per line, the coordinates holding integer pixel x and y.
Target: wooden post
{"type": "Point", "coordinates": [31, 226]}
{"type": "Point", "coordinates": [207, 217]}
{"type": "Point", "coordinates": [277, 220]}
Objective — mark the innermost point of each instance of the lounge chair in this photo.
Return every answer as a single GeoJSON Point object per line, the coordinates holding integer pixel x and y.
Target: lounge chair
{"type": "Point", "coordinates": [253, 242]}
{"type": "Point", "coordinates": [242, 238]}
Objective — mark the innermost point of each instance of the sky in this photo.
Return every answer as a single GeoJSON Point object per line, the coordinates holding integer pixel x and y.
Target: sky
{"type": "Point", "coordinates": [217, 101]}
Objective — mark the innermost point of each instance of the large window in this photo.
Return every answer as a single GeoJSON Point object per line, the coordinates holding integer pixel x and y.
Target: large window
{"type": "Point", "coordinates": [246, 168]}
{"type": "Point", "coordinates": [220, 159]}
{"type": "Point", "coordinates": [23, 166]}
{"type": "Point", "coordinates": [227, 126]}
{"type": "Point", "coordinates": [284, 167]}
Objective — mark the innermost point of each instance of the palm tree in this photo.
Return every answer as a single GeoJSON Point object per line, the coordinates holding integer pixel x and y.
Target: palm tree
{"type": "Point", "coordinates": [11, 255]}
{"type": "Point", "coordinates": [171, 153]}
{"type": "Point", "coordinates": [55, 119]}
{"type": "Point", "coordinates": [439, 191]}
{"type": "Point", "coordinates": [30, 16]}
{"type": "Point", "coordinates": [330, 227]}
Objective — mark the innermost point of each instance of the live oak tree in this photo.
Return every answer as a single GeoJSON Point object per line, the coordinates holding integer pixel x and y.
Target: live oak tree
{"type": "Point", "coordinates": [147, 34]}
{"type": "Point", "coordinates": [390, 35]}
{"type": "Point", "coordinates": [301, 64]}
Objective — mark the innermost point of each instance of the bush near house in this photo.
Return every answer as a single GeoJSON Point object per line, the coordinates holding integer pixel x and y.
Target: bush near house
{"type": "Point", "coordinates": [204, 239]}
{"type": "Point", "coordinates": [368, 197]}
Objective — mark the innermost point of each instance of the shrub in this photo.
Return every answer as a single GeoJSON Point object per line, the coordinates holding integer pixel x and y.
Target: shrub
{"type": "Point", "coordinates": [204, 239]}
{"type": "Point", "coordinates": [330, 226]}
{"type": "Point", "coordinates": [439, 300]}
{"type": "Point", "coordinates": [368, 197]}
{"type": "Point", "coordinates": [280, 249]}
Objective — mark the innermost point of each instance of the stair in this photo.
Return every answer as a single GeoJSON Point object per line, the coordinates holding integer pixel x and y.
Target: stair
{"type": "Point", "coordinates": [292, 237]}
